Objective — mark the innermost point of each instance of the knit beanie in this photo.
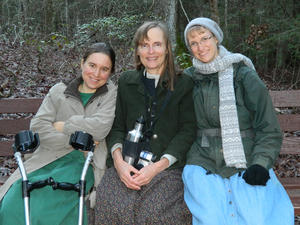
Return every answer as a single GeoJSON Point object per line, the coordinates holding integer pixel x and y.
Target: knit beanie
{"type": "Point", "coordinates": [209, 24]}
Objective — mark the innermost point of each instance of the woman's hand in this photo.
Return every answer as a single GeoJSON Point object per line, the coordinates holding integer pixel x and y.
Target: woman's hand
{"type": "Point", "coordinates": [148, 172]}
{"type": "Point", "coordinates": [59, 126]}
{"type": "Point", "coordinates": [125, 170]}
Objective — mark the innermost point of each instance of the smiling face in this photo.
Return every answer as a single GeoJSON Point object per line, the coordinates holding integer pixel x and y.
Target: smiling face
{"type": "Point", "coordinates": [203, 44]}
{"type": "Point", "coordinates": [96, 69]}
{"type": "Point", "coordinates": [152, 51]}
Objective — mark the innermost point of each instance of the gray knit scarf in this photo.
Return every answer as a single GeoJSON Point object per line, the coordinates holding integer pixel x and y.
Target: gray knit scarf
{"type": "Point", "coordinates": [233, 149]}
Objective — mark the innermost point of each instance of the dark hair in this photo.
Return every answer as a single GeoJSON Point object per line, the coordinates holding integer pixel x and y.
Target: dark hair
{"type": "Point", "coordinates": [141, 35]}
{"type": "Point", "coordinates": [101, 47]}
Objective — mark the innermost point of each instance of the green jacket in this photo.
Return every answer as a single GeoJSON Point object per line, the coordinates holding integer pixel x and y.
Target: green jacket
{"type": "Point", "coordinates": [175, 128]}
{"type": "Point", "coordinates": [255, 111]}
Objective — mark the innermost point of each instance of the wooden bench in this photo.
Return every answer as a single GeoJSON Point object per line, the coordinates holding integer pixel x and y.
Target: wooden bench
{"type": "Point", "coordinates": [289, 123]}
{"type": "Point", "coordinates": [13, 126]}
{"type": "Point", "coordinates": [281, 99]}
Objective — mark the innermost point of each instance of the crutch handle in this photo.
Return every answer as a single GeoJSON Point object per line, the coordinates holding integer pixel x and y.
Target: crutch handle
{"type": "Point", "coordinates": [66, 186]}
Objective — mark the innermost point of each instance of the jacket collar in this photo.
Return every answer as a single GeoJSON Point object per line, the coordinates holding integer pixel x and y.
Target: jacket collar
{"type": "Point", "coordinates": [136, 79]}
{"type": "Point", "coordinates": [72, 89]}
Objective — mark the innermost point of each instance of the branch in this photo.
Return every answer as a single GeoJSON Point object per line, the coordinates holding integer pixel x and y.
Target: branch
{"type": "Point", "coordinates": [184, 11]}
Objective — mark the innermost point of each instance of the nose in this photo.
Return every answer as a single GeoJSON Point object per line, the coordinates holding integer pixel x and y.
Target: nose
{"type": "Point", "coordinates": [102, 74]}
{"type": "Point", "coordinates": [150, 49]}
{"type": "Point", "coordinates": [98, 72]}
{"type": "Point", "coordinates": [200, 46]}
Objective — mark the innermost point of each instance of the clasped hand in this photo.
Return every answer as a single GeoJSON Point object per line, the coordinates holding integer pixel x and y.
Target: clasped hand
{"type": "Point", "coordinates": [133, 178]}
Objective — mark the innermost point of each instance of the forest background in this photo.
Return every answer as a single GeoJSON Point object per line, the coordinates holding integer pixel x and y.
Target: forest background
{"type": "Point", "coordinates": [41, 42]}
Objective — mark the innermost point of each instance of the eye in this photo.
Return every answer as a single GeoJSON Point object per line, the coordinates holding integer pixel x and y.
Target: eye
{"type": "Point", "coordinates": [193, 44]}
{"type": "Point", "coordinates": [106, 69]}
{"type": "Point", "coordinates": [157, 44]}
{"type": "Point", "coordinates": [92, 65]}
{"type": "Point", "coordinates": [144, 45]}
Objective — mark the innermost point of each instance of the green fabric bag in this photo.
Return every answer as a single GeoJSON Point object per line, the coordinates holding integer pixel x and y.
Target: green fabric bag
{"type": "Point", "coordinates": [48, 206]}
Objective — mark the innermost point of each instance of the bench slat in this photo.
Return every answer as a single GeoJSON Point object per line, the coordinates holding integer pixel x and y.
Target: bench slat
{"type": "Point", "coordinates": [20, 105]}
{"type": "Point", "coordinates": [296, 205]}
{"type": "Point", "coordinates": [5, 148]}
{"type": "Point", "coordinates": [292, 186]}
{"type": "Point", "coordinates": [289, 122]}
{"type": "Point", "coordinates": [290, 182]}
{"type": "Point", "coordinates": [295, 198]}
{"type": "Point", "coordinates": [289, 98]}
{"type": "Point", "coordinates": [14, 126]}
{"type": "Point", "coordinates": [290, 145]}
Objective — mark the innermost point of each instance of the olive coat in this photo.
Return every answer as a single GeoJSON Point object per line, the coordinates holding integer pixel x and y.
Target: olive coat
{"type": "Point", "coordinates": [255, 113]}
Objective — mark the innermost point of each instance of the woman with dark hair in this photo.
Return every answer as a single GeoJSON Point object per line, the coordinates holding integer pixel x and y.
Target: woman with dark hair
{"type": "Point", "coordinates": [229, 178]}
{"type": "Point", "coordinates": [153, 194]}
{"type": "Point", "coordinates": [86, 104]}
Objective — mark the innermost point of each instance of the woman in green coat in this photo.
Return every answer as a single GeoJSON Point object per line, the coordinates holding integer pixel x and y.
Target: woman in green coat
{"type": "Point", "coordinates": [87, 104]}
{"type": "Point", "coordinates": [154, 193]}
{"type": "Point", "coordinates": [228, 178]}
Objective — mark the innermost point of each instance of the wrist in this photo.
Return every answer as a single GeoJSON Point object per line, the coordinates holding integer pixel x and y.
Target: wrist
{"type": "Point", "coordinates": [162, 164]}
{"type": "Point", "coordinates": [117, 155]}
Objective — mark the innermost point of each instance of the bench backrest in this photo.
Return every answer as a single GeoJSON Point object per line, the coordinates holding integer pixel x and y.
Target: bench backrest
{"type": "Point", "coordinates": [281, 99]}
{"type": "Point", "coordinates": [288, 122]}
{"type": "Point", "coordinates": [13, 126]}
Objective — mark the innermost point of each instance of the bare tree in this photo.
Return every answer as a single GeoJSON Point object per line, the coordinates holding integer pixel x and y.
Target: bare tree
{"type": "Point", "coordinates": [167, 11]}
{"type": "Point", "coordinates": [214, 10]}
{"type": "Point", "coordinates": [171, 20]}
{"type": "Point", "coordinates": [226, 17]}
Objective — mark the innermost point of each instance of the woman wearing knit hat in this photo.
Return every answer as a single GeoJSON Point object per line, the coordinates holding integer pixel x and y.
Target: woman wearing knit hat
{"type": "Point", "coordinates": [228, 177]}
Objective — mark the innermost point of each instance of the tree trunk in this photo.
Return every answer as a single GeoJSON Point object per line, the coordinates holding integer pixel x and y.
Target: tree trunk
{"type": "Point", "coordinates": [214, 10]}
{"type": "Point", "coordinates": [67, 17]}
{"type": "Point", "coordinates": [171, 19]}
{"type": "Point", "coordinates": [48, 16]}
{"type": "Point", "coordinates": [296, 8]}
{"type": "Point", "coordinates": [23, 11]}
{"type": "Point", "coordinates": [167, 9]}
{"type": "Point", "coordinates": [226, 18]}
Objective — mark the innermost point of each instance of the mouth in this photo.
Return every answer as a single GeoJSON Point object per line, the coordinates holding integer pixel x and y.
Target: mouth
{"type": "Point", "coordinates": [151, 58]}
{"type": "Point", "coordinates": [202, 54]}
{"type": "Point", "coordinates": [94, 79]}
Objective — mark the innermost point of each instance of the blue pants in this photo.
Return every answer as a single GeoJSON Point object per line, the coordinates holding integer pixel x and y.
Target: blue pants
{"type": "Point", "coordinates": [214, 200]}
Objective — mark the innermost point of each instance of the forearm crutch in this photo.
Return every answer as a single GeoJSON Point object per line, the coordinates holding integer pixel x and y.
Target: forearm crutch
{"type": "Point", "coordinates": [26, 142]}
{"type": "Point", "coordinates": [79, 141]}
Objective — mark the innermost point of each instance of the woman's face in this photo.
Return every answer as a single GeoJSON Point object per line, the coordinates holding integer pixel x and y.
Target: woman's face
{"type": "Point", "coordinates": [153, 51]}
{"type": "Point", "coordinates": [203, 44]}
{"type": "Point", "coordinates": [95, 71]}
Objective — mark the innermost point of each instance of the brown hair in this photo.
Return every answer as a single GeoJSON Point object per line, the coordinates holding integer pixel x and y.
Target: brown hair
{"type": "Point", "coordinates": [101, 47]}
{"type": "Point", "coordinates": [141, 35]}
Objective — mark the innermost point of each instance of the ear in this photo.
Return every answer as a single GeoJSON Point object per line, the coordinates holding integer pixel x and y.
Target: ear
{"type": "Point", "coordinates": [217, 42]}
{"type": "Point", "coordinates": [81, 63]}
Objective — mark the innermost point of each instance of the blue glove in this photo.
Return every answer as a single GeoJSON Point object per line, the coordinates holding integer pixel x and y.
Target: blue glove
{"type": "Point", "coordinates": [256, 175]}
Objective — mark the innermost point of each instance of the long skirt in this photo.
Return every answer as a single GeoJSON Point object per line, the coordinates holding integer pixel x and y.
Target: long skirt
{"type": "Point", "coordinates": [159, 202]}
{"type": "Point", "coordinates": [215, 200]}
{"type": "Point", "coordinates": [48, 206]}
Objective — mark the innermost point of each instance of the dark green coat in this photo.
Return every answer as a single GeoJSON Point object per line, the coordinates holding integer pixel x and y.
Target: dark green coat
{"type": "Point", "coordinates": [255, 111]}
{"type": "Point", "coordinates": [176, 127]}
